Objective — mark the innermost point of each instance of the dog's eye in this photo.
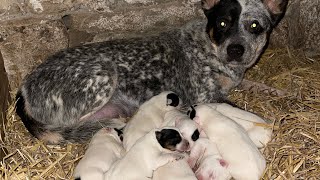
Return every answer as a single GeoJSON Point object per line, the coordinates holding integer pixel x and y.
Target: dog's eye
{"type": "Point", "coordinates": [255, 27]}
{"type": "Point", "coordinates": [223, 24]}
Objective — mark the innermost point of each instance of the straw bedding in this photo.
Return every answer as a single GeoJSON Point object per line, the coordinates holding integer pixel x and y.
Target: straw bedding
{"type": "Point", "coordinates": [293, 153]}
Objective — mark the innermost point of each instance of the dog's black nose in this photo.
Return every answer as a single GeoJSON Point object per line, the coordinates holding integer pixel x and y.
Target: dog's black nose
{"type": "Point", "coordinates": [235, 51]}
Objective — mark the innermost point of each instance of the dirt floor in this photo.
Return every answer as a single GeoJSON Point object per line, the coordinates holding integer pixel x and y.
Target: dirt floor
{"type": "Point", "coordinates": [293, 153]}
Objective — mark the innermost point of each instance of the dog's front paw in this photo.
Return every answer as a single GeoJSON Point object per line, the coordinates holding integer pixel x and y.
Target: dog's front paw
{"type": "Point", "coordinates": [179, 156]}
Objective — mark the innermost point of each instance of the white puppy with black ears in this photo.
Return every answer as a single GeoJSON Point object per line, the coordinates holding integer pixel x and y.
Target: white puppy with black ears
{"type": "Point", "coordinates": [155, 149]}
{"type": "Point", "coordinates": [257, 128]}
{"type": "Point", "coordinates": [179, 170]}
{"type": "Point", "coordinates": [207, 162]}
{"type": "Point", "coordinates": [245, 162]}
{"type": "Point", "coordinates": [149, 116]}
{"type": "Point", "coordinates": [104, 149]}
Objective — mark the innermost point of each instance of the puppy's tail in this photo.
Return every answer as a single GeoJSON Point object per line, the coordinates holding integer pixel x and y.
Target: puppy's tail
{"type": "Point", "coordinates": [55, 135]}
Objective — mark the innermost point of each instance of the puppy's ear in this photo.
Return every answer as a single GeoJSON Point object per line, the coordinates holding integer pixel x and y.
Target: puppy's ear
{"type": "Point", "coordinates": [276, 8]}
{"type": "Point", "coordinates": [120, 133]}
{"type": "Point", "coordinates": [208, 4]}
{"type": "Point", "coordinates": [192, 112]}
{"type": "Point", "coordinates": [196, 134]}
{"type": "Point", "coordinates": [158, 135]}
{"type": "Point", "coordinates": [173, 100]}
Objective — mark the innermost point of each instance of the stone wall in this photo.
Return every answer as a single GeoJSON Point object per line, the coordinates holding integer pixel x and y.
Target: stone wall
{"type": "Point", "coordinates": [300, 28]}
{"type": "Point", "coordinates": [30, 30]}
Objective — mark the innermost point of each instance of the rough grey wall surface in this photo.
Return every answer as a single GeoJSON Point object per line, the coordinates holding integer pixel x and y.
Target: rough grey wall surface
{"type": "Point", "coordinates": [30, 30]}
{"type": "Point", "coordinates": [300, 28]}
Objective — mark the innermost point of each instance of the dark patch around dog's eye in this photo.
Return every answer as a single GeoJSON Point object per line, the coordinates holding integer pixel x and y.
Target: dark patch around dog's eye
{"type": "Point", "coordinates": [223, 20]}
{"type": "Point", "coordinates": [168, 138]}
{"type": "Point", "coordinates": [77, 178]}
{"type": "Point", "coordinates": [223, 24]}
{"type": "Point", "coordinates": [195, 135]}
{"type": "Point", "coordinates": [173, 99]}
{"type": "Point", "coordinates": [254, 27]}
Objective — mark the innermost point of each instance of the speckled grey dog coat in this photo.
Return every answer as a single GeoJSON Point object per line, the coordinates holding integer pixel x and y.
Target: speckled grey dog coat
{"type": "Point", "coordinates": [77, 91]}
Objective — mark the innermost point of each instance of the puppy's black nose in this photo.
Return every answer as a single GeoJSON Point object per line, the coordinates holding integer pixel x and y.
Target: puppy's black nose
{"type": "Point", "coordinates": [235, 51]}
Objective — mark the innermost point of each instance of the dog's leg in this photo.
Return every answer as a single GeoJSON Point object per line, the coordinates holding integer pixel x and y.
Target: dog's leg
{"type": "Point", "coordinates": [256, 86]}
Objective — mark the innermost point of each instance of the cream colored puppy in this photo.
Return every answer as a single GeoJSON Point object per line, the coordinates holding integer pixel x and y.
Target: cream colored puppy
{"type": "Point", "coordinates": [207, 161]}
{"type": "Point", "coordinates": [256, 127]}
{"type": "Point", "coordinates": [245, 162]}
{"type": "Point", "coordinates": [187, 127]}
{"type": "Point", "coordinates": [155, 149]}
{"type": "Point", "coordinates": [179, 170]}
{"type": "Point", "coordinates": [149, 116]}
{"type": "Point", "coordinates": [104, 149]}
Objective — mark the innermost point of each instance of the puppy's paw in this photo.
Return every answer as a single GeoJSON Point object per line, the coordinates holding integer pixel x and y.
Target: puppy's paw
{"type": "Point", "coordinates": [192, 162]}
{"type": "Point", "coordinates": [167, 158]}
{"type": "Point", "coordinates": [179, 156]}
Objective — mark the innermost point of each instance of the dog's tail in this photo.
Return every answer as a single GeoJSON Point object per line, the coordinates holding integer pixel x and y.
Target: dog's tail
{"type": "Point", "coordinates": [81, 132]}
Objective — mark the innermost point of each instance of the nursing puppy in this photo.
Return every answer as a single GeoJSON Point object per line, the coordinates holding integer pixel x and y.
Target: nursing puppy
{"type": "Point", "coordinates": [207, 161]}
{"type": "Point", "coordinates": [155, 149]}
{"type": "Point", "coordinates": [149, 116]}
{"type": "Point", "coordinates": [104, 149]}
{"type": "Point", "coordinates": [179, 170]}
{"type": "Point", "coordinates": [245, 162]}
{"type": "Point", "coordinates": [258, 130]}
{"type": "Point", "coordinates": [70, 95]}
{"type": "Point", "coordinates": [187, 127]}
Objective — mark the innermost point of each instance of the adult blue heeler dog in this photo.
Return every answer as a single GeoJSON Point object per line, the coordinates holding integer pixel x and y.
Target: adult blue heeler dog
{"type": "Point", "coordinates": [78, 90]}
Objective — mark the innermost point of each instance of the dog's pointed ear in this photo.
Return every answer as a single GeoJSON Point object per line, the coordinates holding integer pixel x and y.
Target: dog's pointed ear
{"type": "Point", "coordinates": [208, 4]}
{"type": "Point", "coordinates": [276, 8]}
{"type": "Point", "coordinates": [192, 112]}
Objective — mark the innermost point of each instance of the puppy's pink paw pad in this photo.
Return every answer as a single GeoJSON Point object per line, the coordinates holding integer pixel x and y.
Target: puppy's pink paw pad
{"type": "Point", "coordinates": [223, 163]}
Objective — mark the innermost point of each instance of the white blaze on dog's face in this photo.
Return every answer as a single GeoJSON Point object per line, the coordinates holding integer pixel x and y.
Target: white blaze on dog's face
{"type": "Point", "coordinates": [239, 29]}
{"type": "Point", "coordinates": [170, 138]}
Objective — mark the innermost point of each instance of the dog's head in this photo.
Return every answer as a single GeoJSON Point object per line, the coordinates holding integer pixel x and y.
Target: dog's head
{"type": "Point", "coordinates": [240, 29]}
{"type": "Point", "coordinates": [170, 138]}
{"type": "Point", "coordinates": [107, 131]}
{"type": "Point", "coordinates": [199, 113]}
{"type": "Point", "coordinates": [165, 101]}
{"type": "Point", "coordinates": [188, 129]}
